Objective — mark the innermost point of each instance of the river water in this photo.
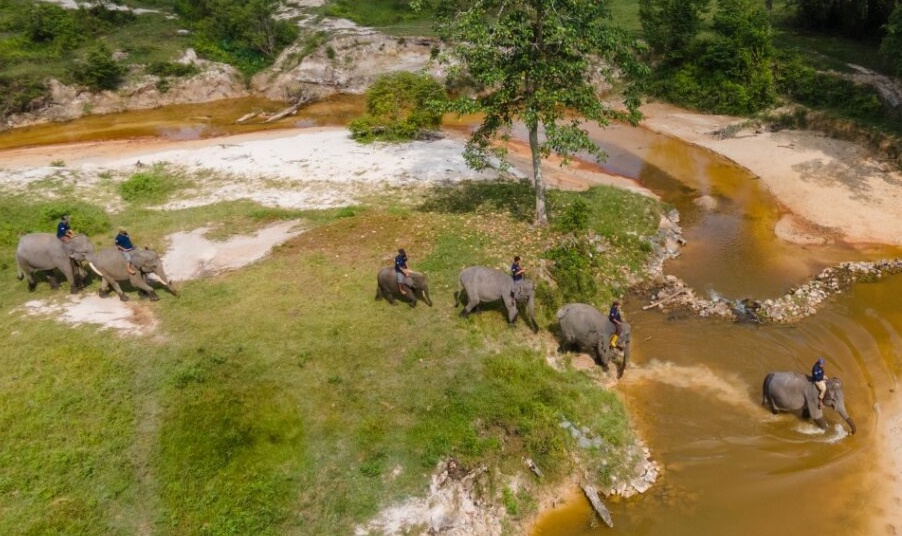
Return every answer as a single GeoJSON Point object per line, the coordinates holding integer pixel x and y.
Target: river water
{"type": "Point", "coordinates": [694, 385]}
{"type": "Point", "coordinates": [730, 467]}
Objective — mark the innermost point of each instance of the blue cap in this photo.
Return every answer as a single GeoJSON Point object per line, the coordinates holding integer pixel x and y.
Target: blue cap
{"type": "Point", "coordinates": [820, 361]}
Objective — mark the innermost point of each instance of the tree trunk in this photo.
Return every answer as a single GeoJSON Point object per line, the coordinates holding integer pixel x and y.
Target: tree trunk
{"type": "Point", "coordinates": [541, 217]}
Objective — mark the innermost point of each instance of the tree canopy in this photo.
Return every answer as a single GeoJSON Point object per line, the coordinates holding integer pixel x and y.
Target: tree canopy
{"type": "Point", "coordinates": [537, 62]}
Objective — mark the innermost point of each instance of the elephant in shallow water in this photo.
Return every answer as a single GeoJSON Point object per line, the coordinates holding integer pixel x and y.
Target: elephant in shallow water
{"type": "Point", "coordinates": [38, 252]}
{"type": "Point", "coordinates": [485, 285]}
{"type": "Point", "coordinates": [794, 392]}
{"type": "Point", "coordinates": [415, 286]}
{"type": "Point", "coordinates": [584, 326]}
{"type": "Point", "coordinates": [111, 266]}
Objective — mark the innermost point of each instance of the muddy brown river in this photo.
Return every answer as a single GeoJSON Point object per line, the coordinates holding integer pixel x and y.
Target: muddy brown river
{"type": "Point", "coordinates": [729, 466]}
{"type": "Point", "coordinates": [694, 388]}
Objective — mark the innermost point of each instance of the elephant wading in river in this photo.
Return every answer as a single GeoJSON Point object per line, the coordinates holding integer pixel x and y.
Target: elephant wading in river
{"type": "Point", "coordinates": [585, 327]}
{"type": "Point", "coordinates": [484, 285]}
{"type": "Point", "coordinates": [794, 392]}
{"type": "Point", "coordinates": [111, 266]}
{"type": "Point", "coordinates": [45, 252]}
{"type": "Point", "coordinates": [415, 285]}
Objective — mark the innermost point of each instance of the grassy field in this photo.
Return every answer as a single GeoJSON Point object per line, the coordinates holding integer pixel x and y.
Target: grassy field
{"type": "Point", "coordinates": [282, 398]}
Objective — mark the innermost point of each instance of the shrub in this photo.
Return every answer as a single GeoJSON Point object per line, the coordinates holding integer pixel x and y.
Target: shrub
{"type": "Point", "coordinates": [169, 68]}
{"type": "Point", "coordinates": [153, 186]}
{"type": "Point", "coordinates": [400, 106]}
{"type": "Point", "coordinates": [99, 71]}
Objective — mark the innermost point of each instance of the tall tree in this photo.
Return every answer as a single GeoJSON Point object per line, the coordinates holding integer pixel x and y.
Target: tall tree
{"type": "Point", "coordinates": [671, 26]}
{"type": "Point", "coordinates": [537, 61]}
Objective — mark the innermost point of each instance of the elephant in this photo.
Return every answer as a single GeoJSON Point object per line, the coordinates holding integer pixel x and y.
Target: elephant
{"type": "Point", "coordinates": [44, 251]}
{"type": "Point", "coordinates": [584, 326]}
{"type": "Point", "coordinates": [416, 285]}
{"type": "Point", "coordinates": [111, 266]}
{"type": "Point", "coordinates": [484, 285]}
{"type": "Point", "coordinates": [794, 392]}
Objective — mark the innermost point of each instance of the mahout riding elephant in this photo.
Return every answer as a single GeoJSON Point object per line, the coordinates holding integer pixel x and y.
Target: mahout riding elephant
{"type": "Point", "coordinates": [795, 393]}
{"type": "Point", "coordinates": [485, 285]}
{"type": "Point", "coordinates": [111, 266]}
{"type": "Point", "coordinates": [38, 252]}
{"type": "Point", "coordinates": [416, 285]}
{"type": "Point", "coordinates": [585, 327]}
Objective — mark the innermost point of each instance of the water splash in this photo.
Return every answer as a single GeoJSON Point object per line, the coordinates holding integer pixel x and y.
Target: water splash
{"type": "Point", "coordinates": [727, 388]}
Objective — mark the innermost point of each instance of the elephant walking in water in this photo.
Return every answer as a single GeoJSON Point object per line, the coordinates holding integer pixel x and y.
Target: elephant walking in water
{"type": "Point", "coordinates": [794, 392]}
{"type": "Point", "coordinates": [485, 285]}
{"type": "Point", "coordinates": [415, 285]}
{"type": "Point", "coordinates": [38, 252]}
{"type": "Point", "coordinates": [111, 266]}
{"type": "Point", "coordinates": [584, 326]}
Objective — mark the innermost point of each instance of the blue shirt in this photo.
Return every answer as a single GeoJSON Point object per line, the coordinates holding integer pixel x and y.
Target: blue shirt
{"type": "Point", "coordinates": [401, 263]}
{"type": "Point", "coordinates": [615, 314]}
{"type": "Point", "coordinates": [515, 272]}
{"type": "Point", "coordinates": [124, 242]}
{"type": "Point", "coordinates": [62, 228]}
{"type": "Point", "coordinates": [817, 372]}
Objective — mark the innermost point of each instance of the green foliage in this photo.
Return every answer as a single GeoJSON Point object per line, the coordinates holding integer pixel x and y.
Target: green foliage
{"type": "Point", "coordinates": [21, 94]}
{"type": "Point", "coordinates": [152, 186]}
{"type": "Point", "coordinates": [399, 107]}
{"type": "Point", "coordinates": [99, 71]}
{"type": "Point", "coordinates": [891, 47]}
{"type": "Point", "coordinates": [19, 216]}
{"type": "Point", "coordinates": [535, 67]}
{"type": "Point", "coordinates": [574, 218]}
{"type": "Point", "coordinates": [858, 19]}
{"type": "Point", "coordinates": [671, 26]}
{"type": "Point", "coordinates": [170, 68]}
{"type": "Point", "coordinates": [392, 16]}
{"type": "Point", "coordinates": [244, 34]}
{"type": "Point", "coordinates": [726, 72]}
{"type": "Point", "coordinates": [573, 270]}
{"type": "Point", "coordinates": [828, 91]}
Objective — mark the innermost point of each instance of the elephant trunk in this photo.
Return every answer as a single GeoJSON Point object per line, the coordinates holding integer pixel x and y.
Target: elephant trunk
{"type": "Point", "coordinates": [841, 409]}
{"type": "Point", "coordinates": [426, 297]}
{"type": "Point", "coordinates": [161, 275]}
{"type": "Point", "coordinates": [852, 428]}
{"type": "Point", "coordinates": [530, 308]}
{"type": "Point", "coordinates": [625, 362]}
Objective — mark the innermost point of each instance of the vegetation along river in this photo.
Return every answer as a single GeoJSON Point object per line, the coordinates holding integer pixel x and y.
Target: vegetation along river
{"type": "Point", "coordinates": [694, 389]}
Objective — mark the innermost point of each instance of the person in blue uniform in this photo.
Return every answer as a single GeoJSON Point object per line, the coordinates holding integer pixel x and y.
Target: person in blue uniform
{"type": "Point", "coordinates": [616, 319]}
{"type": "Point", "coordinates": [819, 379]}
{"type": "Point", "coordinates": [63, 230]}
{"type": "Point", "coordinates": [517, 271]}
{"type": "Point", "coordinates": [401, 269]}
{"type": "Point", "coordinates": [124, 244]}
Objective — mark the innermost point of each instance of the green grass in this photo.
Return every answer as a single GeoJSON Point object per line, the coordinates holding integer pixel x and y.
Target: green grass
{"type": "Point", "coordinates": [282, 398]}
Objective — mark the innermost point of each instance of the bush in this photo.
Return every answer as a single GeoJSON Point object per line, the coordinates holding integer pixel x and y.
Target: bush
{"type": "Point", "coordinates": [168, 68]}
{"type": "Point", "coordinates": [400, 106]}
{"type": "Point", "coordinates": [21, 94]}
{"type": "Point", "coordinates": [21, 217]}
{"type": "Point", "coordinates": [99, 71]}
{"type": "Point", "coordinates": [153, 186]}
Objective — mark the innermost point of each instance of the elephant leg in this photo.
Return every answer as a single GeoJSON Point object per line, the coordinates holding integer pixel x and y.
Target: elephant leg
{"type": "Point", "coordinates": [54, 284]}
{"type": "Point", "coordinates": [471, 304]}
{"type": "Point", "coordinates": [32, 284]}
{"type": "Point", "coordinates": [139, 282]}
{"type": "Point", "coordinates": [411, 296]}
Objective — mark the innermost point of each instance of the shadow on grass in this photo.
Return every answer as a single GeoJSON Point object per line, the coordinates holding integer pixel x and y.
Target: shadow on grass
{"type": "Point", "coordinates": [518, 198]}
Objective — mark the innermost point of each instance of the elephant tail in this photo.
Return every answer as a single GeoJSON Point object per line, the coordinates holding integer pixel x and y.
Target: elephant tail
{"type": "Point", "coordinates": [20, 274]}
